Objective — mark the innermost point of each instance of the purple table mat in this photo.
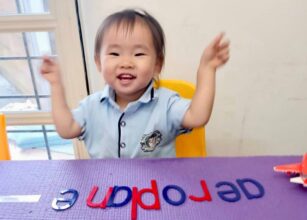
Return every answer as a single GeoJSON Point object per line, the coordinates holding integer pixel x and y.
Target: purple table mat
{"type": "Point", "coordinates": [282, 199]}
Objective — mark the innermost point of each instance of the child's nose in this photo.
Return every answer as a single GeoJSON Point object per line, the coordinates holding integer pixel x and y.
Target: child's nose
{"type": "Point", "coordinates": [127, 63]}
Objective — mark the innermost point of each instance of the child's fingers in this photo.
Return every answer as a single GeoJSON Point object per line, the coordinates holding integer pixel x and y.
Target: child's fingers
{"type": "Point", "coordinates": [216, 42]}
{"type": "Point", "coordinates": [48, 65]}
{"type": "Point", "coordinates": [223, 51]}
{"type": "Point", "coordinates": [44, 69]}
{"type": "Point", "coordinates": [224, 44]}
{"type": "Point", "coordinates": [48, 60]}
{"type": "Point", "coordinates": [223, 56]}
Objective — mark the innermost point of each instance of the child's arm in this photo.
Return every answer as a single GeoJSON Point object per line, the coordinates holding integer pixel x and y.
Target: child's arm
{"type": "Point", "coordinates": [66, 126]}
{"type": "Point", "coordinates": [214, 56]}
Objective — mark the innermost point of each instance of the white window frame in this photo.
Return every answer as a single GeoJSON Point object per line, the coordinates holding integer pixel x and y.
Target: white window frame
{"type": "Point", "coordinates": [62, 20]}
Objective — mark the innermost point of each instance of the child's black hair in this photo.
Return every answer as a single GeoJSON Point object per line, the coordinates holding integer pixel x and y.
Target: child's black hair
{"type": "Point", "coordinates": [128, 17]}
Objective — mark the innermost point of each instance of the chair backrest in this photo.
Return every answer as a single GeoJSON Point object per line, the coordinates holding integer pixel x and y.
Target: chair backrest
{"type": "Point", "coordinates": [192, 144]}
{"type": "Point", "coordinates": [4, 146]}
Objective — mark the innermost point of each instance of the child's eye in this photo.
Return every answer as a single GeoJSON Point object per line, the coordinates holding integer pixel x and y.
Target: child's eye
{"type": "Point", "coordinates": [139, 54]}
{"type": "Point", "coordinates": [114, 54]}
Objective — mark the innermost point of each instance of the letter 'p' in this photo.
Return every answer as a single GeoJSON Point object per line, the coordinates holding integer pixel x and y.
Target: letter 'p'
{"type": "Point", "coordinates": [137, 199]}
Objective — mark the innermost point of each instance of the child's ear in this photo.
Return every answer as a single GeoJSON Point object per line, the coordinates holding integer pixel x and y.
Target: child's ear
{"type": "Point", "coordinates": [158, 67]}
{"type": "Point", "coordinates": [156, 76]}
{"type": "Point", "coordinates": [98, 64]}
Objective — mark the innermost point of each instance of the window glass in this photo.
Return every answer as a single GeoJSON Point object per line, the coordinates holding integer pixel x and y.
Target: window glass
{"type": "Point", "coordinates": [12, 45]}
{"type": "Point", "coordinates": [30, 142]}
{"type": "Point", "coordinates": [13, 7]}
{"type": "Point", "coordinates": [16, 76]}
{"type": "Point", "coordinates": [22, 88]}
{"type": "Point", "coordinates": [40, 43]}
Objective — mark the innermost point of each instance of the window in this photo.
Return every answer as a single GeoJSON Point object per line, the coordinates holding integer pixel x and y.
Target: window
{"type": "Point", "coordinates": [30, 29]}
{"type": "Point", "coordinates": [14, 7]}
{"type": "Point", "coordinates": [22, 87]}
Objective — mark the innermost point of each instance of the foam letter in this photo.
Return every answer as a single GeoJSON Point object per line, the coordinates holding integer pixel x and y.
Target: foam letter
{"type": "Point", "coordinates": [116, 189]}
{"type": "Point", "coordinates": [137, 198]}
{"type": "Point", "coordinates": [260, 188]}
{"type": "Point", "coordinates": [168, 200]}
{"type": "Point", "coordinates": [234, 190]}
{"type": "Point", "coordinates": [103, 204]}
{"type": "Point", "coordinates": [206, 197]}
{"type": "Point", "coordinates": [69, 202]}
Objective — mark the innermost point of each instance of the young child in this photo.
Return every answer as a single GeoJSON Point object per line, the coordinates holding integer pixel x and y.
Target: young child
{"type": "Point", "coordinates": [130, 118]}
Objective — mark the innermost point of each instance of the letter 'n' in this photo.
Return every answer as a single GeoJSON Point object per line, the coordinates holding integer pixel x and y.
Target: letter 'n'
{"type": "Point", "coordinates": [103, 204]}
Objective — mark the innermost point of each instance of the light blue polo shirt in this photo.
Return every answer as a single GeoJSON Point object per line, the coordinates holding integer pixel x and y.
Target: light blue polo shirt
{"type": "Point", "coordinates": [146, 128]}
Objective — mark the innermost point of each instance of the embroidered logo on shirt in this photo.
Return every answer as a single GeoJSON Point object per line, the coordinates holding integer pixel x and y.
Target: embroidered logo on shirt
{"type": "Point", "coordinates": [150, 141]}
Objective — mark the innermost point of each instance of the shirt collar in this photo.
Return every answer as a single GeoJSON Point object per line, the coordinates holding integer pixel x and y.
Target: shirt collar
{"type": "Point", "coordinates": [107, 93]}
{"type": "Point", "coordinates": [149, 94]}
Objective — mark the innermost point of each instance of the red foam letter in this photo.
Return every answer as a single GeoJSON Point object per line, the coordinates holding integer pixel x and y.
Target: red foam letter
{"type": "Point", "coordinates": [137, 199]}
{"type": "Point", "coordinates": [206, 197]}
{"type": "Point", "coordinates": [92, 195]}
{"type": "Point", "coordinates": [134, 211]}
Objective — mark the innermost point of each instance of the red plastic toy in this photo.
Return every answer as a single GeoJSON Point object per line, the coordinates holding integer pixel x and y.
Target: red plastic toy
{"type": "Point", "coordinates": [298, 168]}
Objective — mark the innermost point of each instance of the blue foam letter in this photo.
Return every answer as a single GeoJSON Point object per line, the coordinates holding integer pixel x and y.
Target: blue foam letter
{"type": "Point", "coordinates": [111, 202]}
{"type": "Point", "coordinates": [234, 191]}
{"type": "Point", "coordinates": [69, 202]}
{"type": "Point", "coordinates": [260, 188]}
{"type": "Point", "coordinates": [177, 188]}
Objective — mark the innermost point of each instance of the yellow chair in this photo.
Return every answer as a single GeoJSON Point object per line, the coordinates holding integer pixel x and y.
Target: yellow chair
{"type": "Point", "coordinates": [4, 146]}
{"type": "Point", "coordinates": [192, 144]}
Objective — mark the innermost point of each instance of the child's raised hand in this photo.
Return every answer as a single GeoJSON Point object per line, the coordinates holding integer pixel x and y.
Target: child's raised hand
{"type": "Point", "coordinates": [50, 70]}
{"type": "Point", "coordinates": [216, 54]}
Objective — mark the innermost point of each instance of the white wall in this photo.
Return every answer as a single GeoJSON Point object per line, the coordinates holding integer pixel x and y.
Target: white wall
{"type": "Point", "coordinates": [261, 100]}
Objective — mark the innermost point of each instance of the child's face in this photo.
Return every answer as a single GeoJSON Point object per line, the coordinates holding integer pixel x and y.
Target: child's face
{"type": "Point", "coordinates": [128, 60]}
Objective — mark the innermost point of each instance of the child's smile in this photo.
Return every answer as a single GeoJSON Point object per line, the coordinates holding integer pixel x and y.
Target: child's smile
{"type": "Point", "coordinates": [126, 78]}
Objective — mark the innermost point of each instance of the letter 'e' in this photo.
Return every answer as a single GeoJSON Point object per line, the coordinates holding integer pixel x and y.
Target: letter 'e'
{"type": "Point", "coordinates": [69, 202]}
{"type": "Point", "coordinates": [234, 190]}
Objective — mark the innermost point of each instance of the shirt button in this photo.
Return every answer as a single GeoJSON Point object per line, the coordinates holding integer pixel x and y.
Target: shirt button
{"type": "Point", "coordinates": [122, 145]}
{"type": "Point", "coordinates": [123, 123]}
